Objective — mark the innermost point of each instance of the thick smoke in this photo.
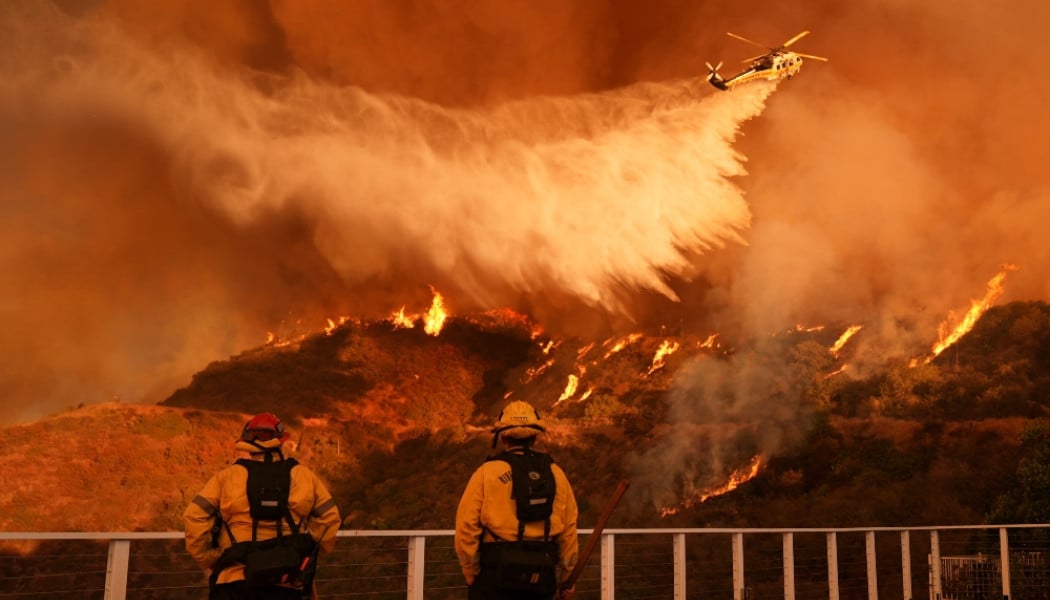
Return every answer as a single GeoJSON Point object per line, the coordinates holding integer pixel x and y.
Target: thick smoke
{"type": "Point", "coordinates": [725, 413]}
{"type": "Point", "coordinates": [162, 169]}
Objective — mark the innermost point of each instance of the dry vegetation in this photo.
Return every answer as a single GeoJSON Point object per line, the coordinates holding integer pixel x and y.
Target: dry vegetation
{"type": "Point", "coordinates": [395, 421]}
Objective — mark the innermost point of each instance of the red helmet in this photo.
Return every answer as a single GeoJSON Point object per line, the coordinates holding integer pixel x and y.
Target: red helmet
{"type": "Point", "coordinates": [264, 427]}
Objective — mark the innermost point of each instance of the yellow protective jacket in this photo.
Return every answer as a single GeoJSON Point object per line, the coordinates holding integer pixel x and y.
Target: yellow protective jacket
{"type": "Point", "coordinates": [487, 505]}
{"type": "Point", "coordinates": [308, 500]}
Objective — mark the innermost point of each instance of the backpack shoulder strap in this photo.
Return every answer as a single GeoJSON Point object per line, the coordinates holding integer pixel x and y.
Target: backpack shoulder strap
{"type": "Point", "coordinates": [217, 527]}
{"type": "Point", "coordinates": [290, 464]}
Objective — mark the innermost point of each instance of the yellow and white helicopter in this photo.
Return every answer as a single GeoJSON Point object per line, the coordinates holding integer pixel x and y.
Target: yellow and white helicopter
{"type": "Point", "coordinates": [776, 64]}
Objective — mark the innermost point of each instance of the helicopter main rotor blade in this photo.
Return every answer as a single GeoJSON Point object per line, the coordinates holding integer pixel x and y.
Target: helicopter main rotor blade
{"type": "Point", "coordinates": [812, 56]}
{"type": "Point", "coordinates": [747, 60]}
{"type": "Point", "coordinates": [744, 39]}
{"type": "Point", "coordinates": [795, 39]}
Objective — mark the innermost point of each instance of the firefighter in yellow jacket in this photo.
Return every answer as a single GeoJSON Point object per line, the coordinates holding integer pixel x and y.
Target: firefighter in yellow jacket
{"type": "Point", "coordinates": [220, 528]}
{"type": "Point", "coordinates": [487, 519]}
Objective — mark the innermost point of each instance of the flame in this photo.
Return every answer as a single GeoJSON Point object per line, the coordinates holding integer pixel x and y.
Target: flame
{"type": "Point", "coordinates": [846, 335]}
{"type": "Point", "coordinates": [800, 328]}
{"type": "Point", "coordinates": [621, 344]}
{"type": "Point", "coordinates": [331, 325]}
{"type": "Point", "coordinates": [434, 319]}
{"type": "Point", "coordinates": [277, 341]}
{"type": "Point", "coordinates": [583, 351]}
{"type": "Point", "coordinates": [586, 394]}
{"type": "Point", "coordinates": [736, 478]}
{"type": "Point", "coordinates": [280, 341]}
{"type": "Point", "coordinates": [948, 335]}
{"type": "Point", "coordinates": [401, 320]}
{"type": "Point", "coordinates": [570, 388]}
{"type": "Point", "coordinates": [666, 349]}
{"type": "Point", "coordinates": [841, 369]}
{"type": "Point", "coordinates": [710, 342]}
{"type": "Point", "coordinates": [533, 372]}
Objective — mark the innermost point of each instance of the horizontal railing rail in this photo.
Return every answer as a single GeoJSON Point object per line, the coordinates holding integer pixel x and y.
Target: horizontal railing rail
{"type": "Point", "coordinates": [959, 562]}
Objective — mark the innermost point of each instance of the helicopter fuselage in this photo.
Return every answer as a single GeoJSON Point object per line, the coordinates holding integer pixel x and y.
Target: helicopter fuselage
{"type": "Point", "coordinates": [772, 67]}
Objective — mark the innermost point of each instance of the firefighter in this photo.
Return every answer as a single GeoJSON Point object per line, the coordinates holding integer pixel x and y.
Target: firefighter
{"type": "Point", "coordinates": [221, 530]}
{"type": "Point", "coordinates": [487, 523]}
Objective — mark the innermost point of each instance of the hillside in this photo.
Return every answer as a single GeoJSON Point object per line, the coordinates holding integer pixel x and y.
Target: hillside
{"type": "Point", "coordinates": [396, 419]}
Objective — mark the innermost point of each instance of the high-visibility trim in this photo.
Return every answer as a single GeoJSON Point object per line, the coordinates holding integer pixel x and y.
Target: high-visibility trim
{"type": "Point", "coordinates": [208, 507]}
{"type": "Point", "coordinates": [322, 508]}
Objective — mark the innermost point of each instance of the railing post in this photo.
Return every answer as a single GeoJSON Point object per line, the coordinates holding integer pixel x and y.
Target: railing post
{"type": "Point", "coordinates": [678, 541]}
{"type": "Point", "coordinates": [1004, 561]}
{"type": "Point", "coordinates": [417, 545]}
{"type": "Point", "coordinates": [608, 566]}
{"type": "Point", "coordinates": [117, 570]}
{"type": "Point", "coordinates": [906, 564]}
{"type": "Point", "coordinates": [935, 566]}
{"type": "Point", "coordinates": [789, 566]}
{"type": "Point", "coordinates": [833, 566]}
{"type": "Point", "coordinates": [738, 566]}
{"type": "Point", "coordinates": [873, 577]}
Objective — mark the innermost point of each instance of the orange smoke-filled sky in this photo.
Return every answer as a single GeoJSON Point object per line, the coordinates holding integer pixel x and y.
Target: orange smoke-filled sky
{"type": "Point", "coordinates": [178, 178]}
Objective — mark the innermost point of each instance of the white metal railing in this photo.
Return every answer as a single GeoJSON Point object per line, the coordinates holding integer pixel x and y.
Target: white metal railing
{"type": "Point", "coordinates": [656, 563]}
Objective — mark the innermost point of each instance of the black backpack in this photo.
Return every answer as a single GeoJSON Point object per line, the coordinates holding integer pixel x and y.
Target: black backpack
{"type": "Point", "coordinates": [523, 565]}
{"type": "Point", "coordinates": [269, 484]}
{"type": "Point", "coordinates": [288, 558]}
{"type": "Point", "coordinates": [533, 487]}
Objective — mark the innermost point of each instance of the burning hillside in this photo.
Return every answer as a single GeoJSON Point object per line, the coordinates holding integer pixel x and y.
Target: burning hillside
{"type": "Point", "coordinates": [395, 419]}
{"type": "Point", "coordinates": [709, 409]}
{"type": "Point", "coordinates": [468, 365]}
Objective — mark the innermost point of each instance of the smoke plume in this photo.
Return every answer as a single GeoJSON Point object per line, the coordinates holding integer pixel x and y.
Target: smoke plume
{"type": "Point", "coordinates": [144, 177]}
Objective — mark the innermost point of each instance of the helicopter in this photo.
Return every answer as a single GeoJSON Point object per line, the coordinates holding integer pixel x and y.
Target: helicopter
{"type": "Point", "coordinates": [776, 64]}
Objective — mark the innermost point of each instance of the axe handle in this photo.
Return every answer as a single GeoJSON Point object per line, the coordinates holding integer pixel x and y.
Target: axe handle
{"type": "Point", "coordinates": [592, 540]}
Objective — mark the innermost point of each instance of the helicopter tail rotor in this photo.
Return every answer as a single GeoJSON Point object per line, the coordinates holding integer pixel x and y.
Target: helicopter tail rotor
{"type": "Point", "coordinates": [714, 78]}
